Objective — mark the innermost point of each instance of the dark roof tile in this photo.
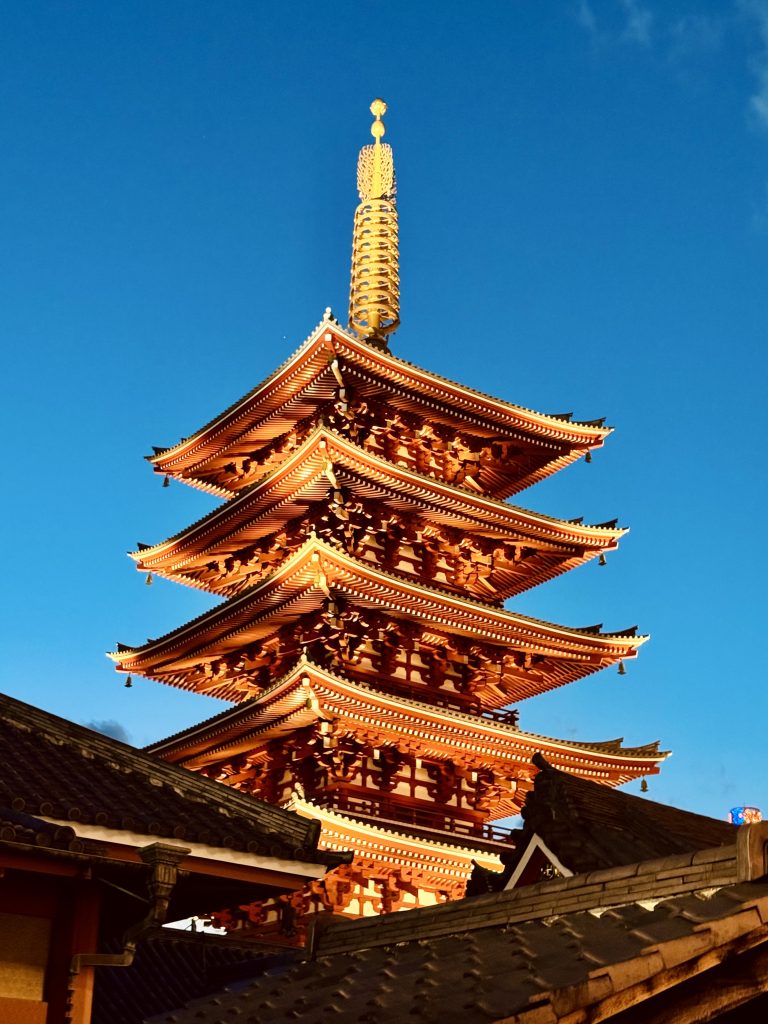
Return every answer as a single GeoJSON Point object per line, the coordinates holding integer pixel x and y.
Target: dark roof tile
{"type": "Point", "coordinates": [172, 967]}
{"type": "Point", "coordinates": [56, 769]}
{"type": "Point", "coordinates": [474, 975]}
{"type": "Point", "coordinates": [588, 826]}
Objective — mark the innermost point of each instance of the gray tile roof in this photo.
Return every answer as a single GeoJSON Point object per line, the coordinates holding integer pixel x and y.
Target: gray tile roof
{"type": "Point", "coordinates": [170, 968]}
{"type": "Point", "coordinates": [482, 969]}
{"type": "Point", "coordinates": [56, 769]}
{"type": "Point", "coordinates": [588, 826]}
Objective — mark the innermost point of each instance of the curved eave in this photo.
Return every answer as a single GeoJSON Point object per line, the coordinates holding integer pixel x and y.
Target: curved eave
{"type": "Point", "coordinates": [450, 393]}
{"type": "Point", "coordinates": [307, 571]}
{"type": "Point", "coordinates": [309, 694]}
{"type": "Point", "coordinates": [368, 839]}
{"type": "Point", "coordinates": [266, 397]}
{"type": "Point", "coordinates": [328, 340]}
{"type": "Point", "coordinates": [279, 489]}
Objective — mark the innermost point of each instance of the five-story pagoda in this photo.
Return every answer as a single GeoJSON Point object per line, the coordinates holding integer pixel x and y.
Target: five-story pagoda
{"type": "Point", "coordinates": [365, 552]}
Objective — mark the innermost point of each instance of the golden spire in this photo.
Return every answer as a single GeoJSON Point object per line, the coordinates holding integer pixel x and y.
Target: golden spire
{"type": "Point", "coordinates": [374, 297]}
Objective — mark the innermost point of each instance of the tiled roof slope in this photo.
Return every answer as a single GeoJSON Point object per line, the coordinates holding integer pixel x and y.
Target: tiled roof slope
{"type": "Point", "coordinates": [56, 769]}
{"type": "Point", "coordinates": [485, 969]}
{"type": "Point", "coordinates": [172, 967]}
{"type": "Point", "coordinates": [588, 826]}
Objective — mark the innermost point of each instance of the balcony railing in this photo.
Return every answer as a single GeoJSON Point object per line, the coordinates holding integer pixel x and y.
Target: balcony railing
{"type": "Point", "coordinates": [389, 812]}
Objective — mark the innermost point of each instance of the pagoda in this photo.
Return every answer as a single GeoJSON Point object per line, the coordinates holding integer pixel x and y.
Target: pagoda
{"type": "Point", "coordinates": [364, 552]}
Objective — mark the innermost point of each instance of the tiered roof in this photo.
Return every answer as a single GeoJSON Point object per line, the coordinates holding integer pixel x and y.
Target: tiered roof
{"type": "Point", "coordinates": [310, 694]}
{"type": "Point", "coordinates": [288, 493]}
{"type": "Point", "coordinates": [442, 861]}
{"type": "Point", "coordinates": [308, 577]}
{"type": "Point", "coordinates": [331, 358]}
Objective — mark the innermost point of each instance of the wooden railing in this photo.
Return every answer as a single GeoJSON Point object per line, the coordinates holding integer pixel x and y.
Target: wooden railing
{"type": "Point", "coordinates": [419, 817]}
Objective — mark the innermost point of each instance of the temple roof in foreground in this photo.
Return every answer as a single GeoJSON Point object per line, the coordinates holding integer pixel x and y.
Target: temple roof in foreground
{"type": "Point", "coordinates": [171, 967]}
{"type": "Point", "coordinates": [55, 771]}
{"type": "Point", "coordinates": [589, 827]}
{"type": "Point", "coordinates": [659, 940]}
{"type": "Point", "coordinates": [330, 354]}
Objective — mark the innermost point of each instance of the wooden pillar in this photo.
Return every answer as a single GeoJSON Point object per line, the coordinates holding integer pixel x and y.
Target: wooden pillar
{"type": "Point", "coordinates": [75, 930]}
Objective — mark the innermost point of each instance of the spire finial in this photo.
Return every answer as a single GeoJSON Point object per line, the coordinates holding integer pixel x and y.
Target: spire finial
{"type": "Point", "coordinates": [374, 300]}
{"type": "Point", "coordinates": [378, 109]}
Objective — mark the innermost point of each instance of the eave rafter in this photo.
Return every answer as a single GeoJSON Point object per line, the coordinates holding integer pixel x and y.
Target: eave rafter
{"type": "Point", "coordinates": [316, 571]}
{"type": "Point", "coordinates": [310, 377]}
{"type": "Point", "coordinates": [310, 694]}
{"type": "Point", "coordinates": [326, 458]}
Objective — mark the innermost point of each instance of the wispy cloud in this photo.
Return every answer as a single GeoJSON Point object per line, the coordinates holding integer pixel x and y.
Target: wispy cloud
{"type": "Point", "coordinates": [110, 727]}
{"type": "Point", "coordinates": [695, 34]}
{"type": "Point", "coordinates": [586, 18]}
{"type": "Point", "coordinates": [757, 12]}
{"type": "Point", "coordinates": [639, 22]}
{"type": "Point", "coordinates": [622, 21]}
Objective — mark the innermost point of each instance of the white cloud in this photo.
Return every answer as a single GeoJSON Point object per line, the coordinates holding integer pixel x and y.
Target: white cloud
{"type": "Point", "coordinates": [757, 11]}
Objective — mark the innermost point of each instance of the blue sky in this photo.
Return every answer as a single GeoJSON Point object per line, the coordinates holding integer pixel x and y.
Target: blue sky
{"type": "Point", "coordinates": [583, 194]}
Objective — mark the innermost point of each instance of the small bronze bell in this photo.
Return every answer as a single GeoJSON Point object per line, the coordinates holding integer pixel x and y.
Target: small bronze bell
{"type": "Point", "coordinates": [166, 480]}
{"type": "Point", "coordinates": [622, 670]}
{"type": "Point", "coordinates": [128, 683]}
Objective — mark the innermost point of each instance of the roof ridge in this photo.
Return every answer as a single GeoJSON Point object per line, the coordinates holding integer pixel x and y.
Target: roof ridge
{"type": "Point", "coordinates": [244, 398]}
{"type": "Point", "coordinates": [535, 902]}
{"type": "Point", "coordinates": [597, 424]}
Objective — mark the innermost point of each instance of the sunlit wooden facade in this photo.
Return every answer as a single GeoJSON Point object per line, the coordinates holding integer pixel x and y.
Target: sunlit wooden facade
{"type": "Point", "coordinates": [365, 550]}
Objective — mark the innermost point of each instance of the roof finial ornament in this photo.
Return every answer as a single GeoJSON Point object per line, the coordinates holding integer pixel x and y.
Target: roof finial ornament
{"type": "Point", "coordinates": [374, 300]}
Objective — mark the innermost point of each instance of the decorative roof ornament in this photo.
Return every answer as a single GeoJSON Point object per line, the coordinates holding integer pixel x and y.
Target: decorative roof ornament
{"type": "Point", "coordinates": [374, 297]}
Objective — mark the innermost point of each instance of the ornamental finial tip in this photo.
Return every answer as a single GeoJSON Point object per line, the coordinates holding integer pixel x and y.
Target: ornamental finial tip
{"type": "Point", "coordinates": [378, 109]}
{"type": "Point", "coordinates": [374, 298]}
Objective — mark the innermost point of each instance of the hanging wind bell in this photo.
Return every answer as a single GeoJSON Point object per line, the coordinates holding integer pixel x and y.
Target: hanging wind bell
{"type": "Point", "coordinates": [622, 670]}
{"type": "Point", "coordinates": [148, 580]}
{"type": "Point", "coordinates": [167, 480]}
{"type": "Point", "coordinates": [602, 560]}
{"type": "Point", "coordinates": [128, 683]}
